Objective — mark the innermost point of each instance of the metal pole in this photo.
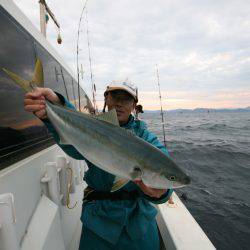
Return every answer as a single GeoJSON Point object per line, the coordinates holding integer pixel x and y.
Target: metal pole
{"type": "Point", "coordinates": [46, 7]}
{"type": "Point", "coordinates": [42, 19]}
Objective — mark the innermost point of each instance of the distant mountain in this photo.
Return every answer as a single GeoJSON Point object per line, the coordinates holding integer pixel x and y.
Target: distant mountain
{"type": "Point", "coordinates": [207, 110]}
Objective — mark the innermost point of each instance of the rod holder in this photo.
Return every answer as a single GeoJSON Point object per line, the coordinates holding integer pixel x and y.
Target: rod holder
{"type": "Point", "coordinates": [82, 168]}
{"type": "Point", "coordinates": [52, 179]}
{"type": "Point", "coordinates": [73, 178]}
{"type": "Point", "coordinates": [76, 168]}
{"type": "Point", "coordinates": [63, 177]}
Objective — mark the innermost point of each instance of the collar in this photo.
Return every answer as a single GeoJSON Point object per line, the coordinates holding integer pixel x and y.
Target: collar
{"type": "Point", "coordinates": [130, 123]}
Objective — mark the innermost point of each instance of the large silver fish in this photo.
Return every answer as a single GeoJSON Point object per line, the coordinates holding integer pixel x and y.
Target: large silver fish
{"type": "Point", "coordinates": [116, 150]}
{"type": "Point", "coordinates": [103, 142]}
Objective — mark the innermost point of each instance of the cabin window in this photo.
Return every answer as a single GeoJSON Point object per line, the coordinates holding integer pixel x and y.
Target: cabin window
{"type": "Point", "coordinates": [21, 133]}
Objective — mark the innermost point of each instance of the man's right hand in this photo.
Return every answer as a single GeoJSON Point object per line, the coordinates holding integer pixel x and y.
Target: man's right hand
{"type": "Point", "coordinates": [34, 101]}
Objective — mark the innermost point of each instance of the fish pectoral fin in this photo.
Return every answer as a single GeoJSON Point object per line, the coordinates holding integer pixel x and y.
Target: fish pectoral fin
{"type": "Point", "coordinates": [109, 116]}
{"type": "Point", "coordinates": [118, 183]}
{"type": "Point", "coordinates": [37, 78]}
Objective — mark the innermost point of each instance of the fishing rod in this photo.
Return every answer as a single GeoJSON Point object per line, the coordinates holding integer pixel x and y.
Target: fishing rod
{"type": "Point", "coordinates": [162, 116]}
{"type": "Point", "coordinates": [90, 65]}
{"type": "Point", "coordinates": [77, 53]}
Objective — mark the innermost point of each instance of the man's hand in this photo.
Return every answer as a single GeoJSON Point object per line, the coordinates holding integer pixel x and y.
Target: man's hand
{"type": "Point", "coordinates": [34, 101]}
{"type": "Point", "coordinates": [152, 192]}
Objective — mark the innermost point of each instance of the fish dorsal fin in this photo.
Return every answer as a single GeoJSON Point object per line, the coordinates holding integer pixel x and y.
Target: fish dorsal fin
{"type": "Point", "coordinates": [109, 116]}
{"type": "Point", "coordinates": [118, 183]}
{"type": "Point", "coordinates": [37, 78]}
{"type": "Point", "coordinates": [129, 132]}
{"type": "Point", "coordinates": [24, 84]}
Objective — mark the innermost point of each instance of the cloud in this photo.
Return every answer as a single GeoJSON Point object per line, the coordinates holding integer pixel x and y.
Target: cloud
{"type": "Point", "coordinates": [199, 46]}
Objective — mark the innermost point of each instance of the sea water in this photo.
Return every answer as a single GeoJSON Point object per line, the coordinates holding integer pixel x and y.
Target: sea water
{"type": "Point", "coordinates": [213, 148]}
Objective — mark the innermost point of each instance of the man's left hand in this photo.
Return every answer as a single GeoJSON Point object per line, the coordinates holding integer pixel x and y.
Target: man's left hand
{"type": "Point", "coordinates": [152, 192]}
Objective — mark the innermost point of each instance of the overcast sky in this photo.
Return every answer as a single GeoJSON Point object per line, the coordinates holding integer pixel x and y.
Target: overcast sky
{"type": "Point", "coordinates": [202, 47]}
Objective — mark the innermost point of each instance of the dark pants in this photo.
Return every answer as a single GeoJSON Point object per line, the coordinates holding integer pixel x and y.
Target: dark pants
{"type": "Point", "coordinates": [91, 241]}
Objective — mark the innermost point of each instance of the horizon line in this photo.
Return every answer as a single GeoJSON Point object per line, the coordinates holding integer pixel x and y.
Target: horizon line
{"type": "Point", "coordinates": [192, 109]}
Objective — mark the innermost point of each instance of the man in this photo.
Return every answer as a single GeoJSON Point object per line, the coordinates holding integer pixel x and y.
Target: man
{"type": "Point", "coordinates": [124, 219]}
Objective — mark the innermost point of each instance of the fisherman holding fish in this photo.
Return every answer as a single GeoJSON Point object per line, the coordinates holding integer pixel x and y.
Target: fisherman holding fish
{"type": "Point", "coordinates": [124, 219]}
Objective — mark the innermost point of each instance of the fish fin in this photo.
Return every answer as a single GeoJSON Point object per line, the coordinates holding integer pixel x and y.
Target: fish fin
{"type": "Point", "coordinates": [24, 84]}
{"type": "Point", "coordinates": [37, 78]}
{"type": "Point", "coordinates": [109, 116]}
{"type": "Point", "coordinates": [129, 132]}
{"type": "Point", "coordinates": [63, 141]}
{"type": "Point", "coordinates": [118, 183]}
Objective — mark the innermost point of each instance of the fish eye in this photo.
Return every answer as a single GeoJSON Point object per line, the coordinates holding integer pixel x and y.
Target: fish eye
{"type": "Point", "coordinates": [137, 169]}
{"type": "Point", "coordinates": [172, 178]}
{"type": "Point", "coordinates": [137, 172]}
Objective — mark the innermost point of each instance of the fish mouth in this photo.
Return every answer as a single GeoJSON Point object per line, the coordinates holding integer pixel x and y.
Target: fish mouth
{"type": "Point", "coordinates": [186, 180]}
{"type": "Point", "coordinates": [179, 185]}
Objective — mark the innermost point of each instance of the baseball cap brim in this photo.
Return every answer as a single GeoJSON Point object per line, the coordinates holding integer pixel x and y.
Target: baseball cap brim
{"type": "Point", "coordinates": [112, 88]}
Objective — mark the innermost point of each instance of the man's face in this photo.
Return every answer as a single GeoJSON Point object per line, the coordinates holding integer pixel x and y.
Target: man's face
{"type": "Point", "coordinates": [123, 102]}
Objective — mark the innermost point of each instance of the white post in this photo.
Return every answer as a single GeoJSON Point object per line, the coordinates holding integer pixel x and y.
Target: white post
{"type": "Point", "coordinates": [53, 184]}
{"type": "Point", "coordinates": [73, 180]}
{"type": "Point", "coordinates": [83, 168]}
{"type": "Point", "coordinates": [75, 166]}
{"type": "Point", "coordinates": [63, 176]}
{"type": "Point", "coordinates": [8, 239]}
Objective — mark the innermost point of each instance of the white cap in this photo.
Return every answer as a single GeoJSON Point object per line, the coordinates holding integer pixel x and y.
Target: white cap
{"type": "Point", "coordinates": [123, 85]}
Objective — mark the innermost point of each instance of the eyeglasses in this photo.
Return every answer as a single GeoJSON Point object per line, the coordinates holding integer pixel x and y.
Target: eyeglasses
{"type": "Point", "coordinates": [122, 97]}
{"type": "Point", "coordinates": [122, 101]}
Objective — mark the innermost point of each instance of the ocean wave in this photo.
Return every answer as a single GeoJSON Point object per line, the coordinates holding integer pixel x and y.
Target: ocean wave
{"type": "Point", "coordinates": [209, 127]}
{"type": "Point", "coordinates": [206, 191]}
{"type": "Point", "coordinates": [242, 204]}
{"type": "Point", "coordinates": [208, 147]}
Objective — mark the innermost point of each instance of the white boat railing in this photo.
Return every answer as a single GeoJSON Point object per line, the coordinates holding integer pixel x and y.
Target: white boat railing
{"type": "Point", "coordinates": [178, 228]}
